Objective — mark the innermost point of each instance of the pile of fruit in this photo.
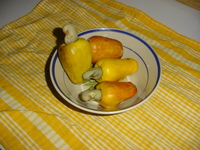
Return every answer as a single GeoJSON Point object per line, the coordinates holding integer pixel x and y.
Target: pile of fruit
{"type": "Point", "coordinates": [97, 58]}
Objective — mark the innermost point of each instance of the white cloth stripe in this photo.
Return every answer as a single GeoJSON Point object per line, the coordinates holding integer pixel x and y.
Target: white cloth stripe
{"type": "Point", "coordinates": [35, 119]}
{"type": "Point", "coordinates": [172, 121]}
{"type": "Point", "coordinates": [47, 131]}
{"type": "Point", "coordinates": [19, 133]}
{"type": "Point", "coordinates": [145, 128]}
{"type": "Point", "coordinates": [172, 124]}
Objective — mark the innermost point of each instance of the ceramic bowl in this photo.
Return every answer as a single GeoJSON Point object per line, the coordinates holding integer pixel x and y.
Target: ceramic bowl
{"type": "Point", "coordinates": [146, 78]}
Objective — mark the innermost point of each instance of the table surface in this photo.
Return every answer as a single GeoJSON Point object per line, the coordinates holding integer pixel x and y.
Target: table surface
{"type": "Point", "coordinates": [179, 17]}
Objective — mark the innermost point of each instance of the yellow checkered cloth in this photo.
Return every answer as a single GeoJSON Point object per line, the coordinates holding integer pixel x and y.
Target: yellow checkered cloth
{"type": "Point", "coordinates": [31, 117]}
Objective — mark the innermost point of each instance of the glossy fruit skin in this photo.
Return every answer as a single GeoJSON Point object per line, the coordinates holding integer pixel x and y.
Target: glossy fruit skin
{"type": "Point", "coordinates": [103, 47]}
{"type": "Point", "coordinates": [116, 69]}
{"type": "Point", "coordinates": [113, 93]}
{"type": "Point", "coordinates": [76, 58]}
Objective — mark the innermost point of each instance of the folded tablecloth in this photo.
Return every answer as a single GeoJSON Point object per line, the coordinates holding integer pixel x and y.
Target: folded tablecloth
{"type": "Point", "coordinates": [32, 117]}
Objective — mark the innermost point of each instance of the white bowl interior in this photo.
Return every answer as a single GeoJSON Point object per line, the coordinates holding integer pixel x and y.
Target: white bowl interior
{"type": "Point", "coordinates": [146, 78]}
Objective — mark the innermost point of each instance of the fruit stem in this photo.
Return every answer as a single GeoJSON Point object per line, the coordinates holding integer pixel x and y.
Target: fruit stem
{"type": "Point", "coordinates": [89, 95]}
{"type": "Point", "coordinates": [71, 34]}
{"type": "Point", "coordinates": [93, 73]}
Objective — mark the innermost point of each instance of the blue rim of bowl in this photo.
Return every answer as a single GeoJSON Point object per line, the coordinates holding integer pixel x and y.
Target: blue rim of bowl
{"type": "Point", "coordinates": [55, 57]}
